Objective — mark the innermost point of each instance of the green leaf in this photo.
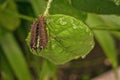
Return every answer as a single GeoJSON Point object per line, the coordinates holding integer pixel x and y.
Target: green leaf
{"type": "Point", "coordinates": [117, 2]}
{"type": "Point", "coordinates": [59, 7]}
{"type": "Point", "coordinates": [97, 6]}
{"type": "Point", "coordinates": [68, 38]}
{"type": "Point", "coordinates": [6, 70]}
{"type": "Point", "coordinates": [108, 45]}
{"type": "Point", "coordinates": [38, 6]}
{"type": "Point", "coordinates": [113, 22]}
{"type": "Point", "coordinates": [7, 20]}
{"type": "Point", "coordinates": [48, 71]}
{"type": "Point", "coordinates": [117, 34]}
{"type": "Point", "coordinates": [63, 7]}
{"type": "Point", "coordinates": [15, 57]}
{"type": "Point", "coordinates": [104, 38]}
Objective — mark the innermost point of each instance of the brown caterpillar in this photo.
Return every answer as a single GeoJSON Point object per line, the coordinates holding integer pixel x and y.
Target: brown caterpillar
{"type": "Point", "coordinates": [42, 33]}
{"type": "Point", "coordinates": [38, 30]}
{"type": "Point", "coordinates": [34, 35]}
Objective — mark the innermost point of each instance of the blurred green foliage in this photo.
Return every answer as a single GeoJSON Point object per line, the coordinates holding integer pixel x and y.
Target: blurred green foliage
{"type": "Point", "coordinates": [16, 16]}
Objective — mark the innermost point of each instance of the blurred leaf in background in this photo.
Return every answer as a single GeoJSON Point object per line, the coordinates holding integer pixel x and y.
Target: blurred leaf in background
{"type": "Point", "coordinates": [97, 6]}
{"type": "Point", "coordinates": [5, 68]}
{"type": "Point", "coordinates": [15, 57]}
{"type": "Point", "coordinates": [113, 22]}
{"type": "Point", "coordinates": [104, 38]}
{"type": "Point", "coordinates": [7, 10]}
{"type": "Point", "coordinates": [17, 66]}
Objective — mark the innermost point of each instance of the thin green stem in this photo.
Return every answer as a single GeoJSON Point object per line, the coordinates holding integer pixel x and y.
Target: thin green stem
{"type": "Point", "coordinates": [20, 16]}
{"type": "Point", "coordinates": [12, 13]}
{"type": "Point", "coordinates": [48, 7]}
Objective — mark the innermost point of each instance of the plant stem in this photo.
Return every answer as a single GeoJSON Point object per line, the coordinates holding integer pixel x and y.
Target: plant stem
{"type": "Point", "coordinates": [47, 8]}
{"type": "Point", "coordinates": [28, 18]}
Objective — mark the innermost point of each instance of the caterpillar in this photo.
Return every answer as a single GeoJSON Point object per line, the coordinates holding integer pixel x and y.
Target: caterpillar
{"type": "Point", "coordinates": [42, 33]}
{"type": "Point", "coordinates": [39, 32]}
{"type": "Point", "coordinates": [34, 35]}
